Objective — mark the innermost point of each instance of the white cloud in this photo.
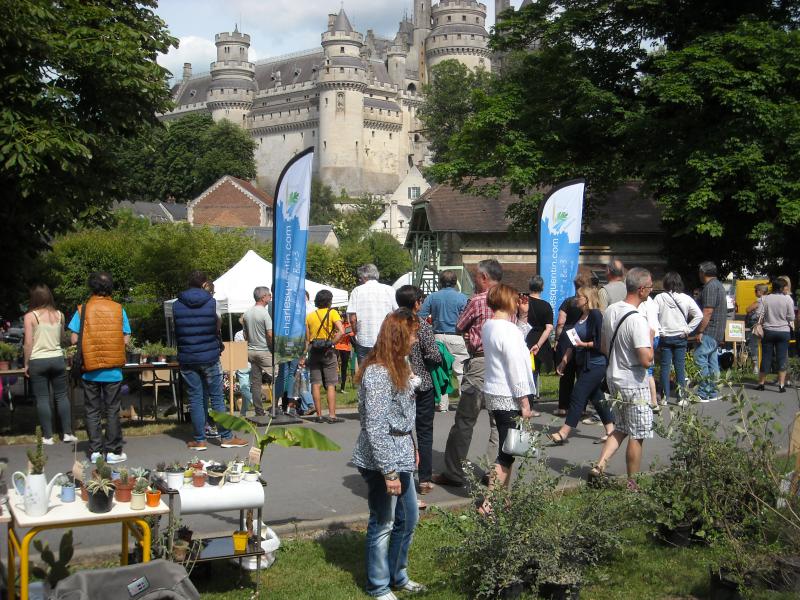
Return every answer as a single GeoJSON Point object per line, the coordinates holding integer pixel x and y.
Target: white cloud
{"type": "Point", "coordinates": [199, 51]}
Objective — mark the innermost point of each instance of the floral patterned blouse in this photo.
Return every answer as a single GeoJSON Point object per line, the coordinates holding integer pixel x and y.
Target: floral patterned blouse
{"type": "Point", "coordinates": [424, 350]}
{"type": "Point", "coordinates": [385, 443]}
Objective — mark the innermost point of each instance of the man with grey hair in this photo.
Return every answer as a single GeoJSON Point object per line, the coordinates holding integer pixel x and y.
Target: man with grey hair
{"type": "Point", "coordinates": [614, 290]}
{"type": "Point", "coordinates": [445, 307]}
{"type": "Point", "coordinates": [257, 324]}
{"type": "Point", "coordinates": [711, 331]}
{"type": "Point", "coordinates": [626, 341]}
{"type": "Point", "coordinates": [470, 323]}
{"type": "Point", "coordinates": [369, 304]}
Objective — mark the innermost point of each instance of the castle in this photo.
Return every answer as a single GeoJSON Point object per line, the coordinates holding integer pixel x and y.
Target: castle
{"type": "Point", "coordinates": [355, 99]}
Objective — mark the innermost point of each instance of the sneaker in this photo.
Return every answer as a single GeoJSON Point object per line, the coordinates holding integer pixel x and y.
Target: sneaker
{"type": "Point", "coordinates": [93, 458]}
{"type": "Point", "coordinates": [69, 438]}
{"type": "Point", "coordinates": [412, 587]}
{"type": "Point", "coordinates": [710, 398]}
{"type": "Point", "coordinates": [386, 596]}
{"type": "Point", "coordinates": [234, 442]}
{"type": "Point", "coordinates": [211, 432]}
{"type": "Point", "coordinates": [48, 441]}
{"type": "Point", "coordinates": [112, 458]}
{"type": "Point", "coordinates": [199, 446]}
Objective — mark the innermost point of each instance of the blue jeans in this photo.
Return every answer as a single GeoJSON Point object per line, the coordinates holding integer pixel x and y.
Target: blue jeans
{"type": "Point", "coordinates": [392, 520]}
{"type": "Point", "coordinates": [284, 382]}
{"type": "Point", "coordinates": [588, 387]}
{"type": "Point", "coordinates": [361, 352]}
{"type": "Point", "coordinates": [204, 381]}
{"type": "Point", "coordinates": [306, 400]}
{"type": "Point", "coordinates": [244, 389]}
{"type": "Point", "coordinates": [777, 342]}
{"type": "Point", "coordinates": [707, 361]}
{"type": "Point", "coordinates": [673, 352]}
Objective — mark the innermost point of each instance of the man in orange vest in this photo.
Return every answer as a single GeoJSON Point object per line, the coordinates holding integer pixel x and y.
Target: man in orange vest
{"type": "Point", "coordinates": [105, 332]}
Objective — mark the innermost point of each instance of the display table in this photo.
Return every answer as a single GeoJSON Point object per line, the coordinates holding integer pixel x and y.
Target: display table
{"type": "Point", "coordinates": [174, 382]}
{"type": "Point", "coordinates": [241, 496]}
{"type": "Point", "coordinates": [64, 516]}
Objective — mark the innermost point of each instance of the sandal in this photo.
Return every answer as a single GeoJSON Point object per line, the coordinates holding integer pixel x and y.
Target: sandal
{"type": "Point", "coordinates": [334, 420]}
{"type": "Point", "coordinates": [560, 412]}
{"type": "Point", "coordinates": [601, 440]}
{"type": "Point", "coordinates": [596, 474]}
{"type": "Point", "coordinates": [556, 441]}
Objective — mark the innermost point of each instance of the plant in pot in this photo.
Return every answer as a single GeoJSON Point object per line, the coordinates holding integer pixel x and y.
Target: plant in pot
{"type": "Point", "coordinates": [199, 478]}
{"type": "Point", "coordinates": [67, 489]}
{"type": "Point", "coordinates": [188, 473]}
{"type": "Point", "coordinates": [288, 437]}
{"type": "Point", "coordinates": [33, 487]}
{"type": "Point", "coordinates": [101, 495]}
{"type": "Point", "coordinates": [161, 470]}
{"type": "Point", "coordinates": [153, 497]}
{"type": "Point", "coordinates": [250, 473]}
{"type": "Point", "coordinates": [216, 474]}
{"type": "Point", "coordinates": [234, 472]}
{"type": "Point", "coordinates": [184, 533]}
{"type": "Point", "coordinates": [54, 570]}
{"type": "Point", "coordinates": [124, 486]}
{"type": "Point", "coordinates": [8, 354]}
{"type": "Point", "coordinates": [133, 353]}
{"type": "Point", "coordinates": [196, 463]}
{"type": "Point", "coordinates": [138, 494]}
{"type": "Point", "coordinates": [175, 476]}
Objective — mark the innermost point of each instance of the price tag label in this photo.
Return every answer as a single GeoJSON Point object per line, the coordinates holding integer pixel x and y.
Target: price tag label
{"type": "Point", "coordinates": [254, 456]}
{"type": "Point", "coordinates": [77, 470]}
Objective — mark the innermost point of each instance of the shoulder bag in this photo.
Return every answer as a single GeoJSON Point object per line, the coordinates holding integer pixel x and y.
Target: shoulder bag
{"type": "Point", "coordinates": [321, 345]}
{"type": "Point", "coordinates": [604, 384]}
{"type": "Point", "coordinates": [758, 327]}
{"type": "Point", "coordinates": [76, 371]}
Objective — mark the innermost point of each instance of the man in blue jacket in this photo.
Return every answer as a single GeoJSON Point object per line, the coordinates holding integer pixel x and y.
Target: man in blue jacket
{"type": "Point", "coordinates": [197, 330]}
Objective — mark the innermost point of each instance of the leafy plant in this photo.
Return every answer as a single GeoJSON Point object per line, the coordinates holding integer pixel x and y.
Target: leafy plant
{"type": "Point", "coordinates": [124, 476]}
{"type": "Point", "coordinates": [138, 472]}
{"type": "Point", "coordinates": [37, 458]}
{"type": "Point", "coordinates": [57, 569]}
{"type": "Point", "coordinates": [175, 467]}
{"type": "Point", "coordinates": [100, 486]}
{"type": "Point", "coordinates": [8, 352]}
{"type": "Point", "coordinates": [161, 467]}
{"type": "Point", "coordinates": [140, 485]}
{"type": "Point", "coordinates": [288, 437]}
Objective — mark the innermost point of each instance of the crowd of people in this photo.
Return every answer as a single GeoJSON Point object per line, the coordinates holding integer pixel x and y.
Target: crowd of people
{"type": "Point", "coordinates": [496, 343]}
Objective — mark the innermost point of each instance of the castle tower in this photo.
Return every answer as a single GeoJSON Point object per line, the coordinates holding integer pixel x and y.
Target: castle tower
{"type": "Point", "coordinates": [499, 7]}
{"type": "Point", "coordinates": [422, 28]}
{"type": "Point", "coordinates": [342, 81]}
{"type": "Point", "coordinates": [459, 32]}
{"type": "Point", "coordinates": [396, 58]}
{"type": "Point", "coordinates": [233, 81]}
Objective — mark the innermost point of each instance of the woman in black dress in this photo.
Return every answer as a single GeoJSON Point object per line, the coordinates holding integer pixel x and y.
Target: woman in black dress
{"type": "Point", "coordinates": [540, 318]}
{"type": "Point", "coordinates": [568, 314]}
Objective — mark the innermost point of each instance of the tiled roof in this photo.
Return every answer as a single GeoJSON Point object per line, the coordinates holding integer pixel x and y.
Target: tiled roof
{"type": "Point", "coordinates": [623, 211]}
{"type": "Point", "coordinates": [258, 193]}
{"type": "Point", "coordinates": [379, 103]}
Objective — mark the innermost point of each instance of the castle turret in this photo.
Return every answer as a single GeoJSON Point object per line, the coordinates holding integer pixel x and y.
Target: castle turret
{"type": "Point", "coordinates": [459, 32]}
{"type": "Point", "coordinates": [422, 28]}
{"type": "Point", "coordinates": [396, 61]}
{"type": "Point", "coordinates": [499, 7]}
{"type": "Point", "coordinates": [233, 83]}
{"type": "Point", "coordinates": [187, 71]}
{"type": "Point", "coordinates": [342, 81]}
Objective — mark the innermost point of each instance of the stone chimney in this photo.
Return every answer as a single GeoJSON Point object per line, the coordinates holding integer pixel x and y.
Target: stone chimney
{"type": "Point", "coordinates": [187, 71]}
{"type": "Point", "coordinates": [331, 21]}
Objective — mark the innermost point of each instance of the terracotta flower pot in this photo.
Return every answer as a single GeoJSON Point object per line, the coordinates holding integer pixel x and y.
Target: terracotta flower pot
{"type": "Point", "coordinates": [123, 493]}
{"type": "Point", "coordinates": [84, 493]}
{"type": "Point", "coordinates": [153, 498]}
{"type": "Point", "coordinates": [179, 550]}
{"type": "Point", "coordinates": [199, 479]}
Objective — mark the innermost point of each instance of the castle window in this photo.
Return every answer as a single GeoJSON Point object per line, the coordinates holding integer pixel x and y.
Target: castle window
{"type": "Point", "coordinates": [373, 133]}
{"type": "Point", "coordinates": [313, 133]}
{"type": "Point", "coordinates": [478, 20]}
{"type": "Point", "coordinates": [445, 36]}
{"type": "Point", "coordinates": [401, 223]}
{"type": "Point", "coordinates": [341, 50]}
{"type": "Point", "coordinates": [341, 69]}
{"type": "Point", "coordinates": [326, 102]}
{"type": "Point", "coordinates": [390, 136]}
{"type": "Point", "coordinates": [459, 36]}
{"type": "Point", "coordinates": [227, 50]}
{"type": "Point", "coordinates": [449, 18]}
{"type": "Point", "coordinates": [235, 90]}
{"type": "Point", "coordinates": [463, 17]}
{"type": "Point", "coordinates": [385, 224]}
{"type": "Point", "coordinates": [192, 93]}
{"type": "Point", "coordinates": [325, 145]}
{"type": "Point", "coordinates": [284, 137]}
{"type": "Point", "coordinates": [261, 140]}
{"type": "Point", "coordinates": [413, 193]}
{"type": "Point", "coordinates": [472, 36]}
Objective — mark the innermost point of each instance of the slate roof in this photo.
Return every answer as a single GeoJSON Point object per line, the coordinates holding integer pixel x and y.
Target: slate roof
{"type": "Point", "coordinates": [379, 70]}
{"type": "Point", "coordinates": [155, 212]}
{"type": "Point", "coordinates": [624, 211]}
{"type": "Point", "coordinates": [379, 103]}
{"type": "Point", "coordinates": [317, 234]}
{"type": "Point", "coordinates": [342, 23]}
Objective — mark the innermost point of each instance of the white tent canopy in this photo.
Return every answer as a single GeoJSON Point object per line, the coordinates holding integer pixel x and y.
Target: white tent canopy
{"type": "Point", "coordinates": [234, 289]}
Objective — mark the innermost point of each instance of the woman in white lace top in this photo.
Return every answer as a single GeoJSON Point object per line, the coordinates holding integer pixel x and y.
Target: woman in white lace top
{"type": "Point", "coordinates": [508, 380]}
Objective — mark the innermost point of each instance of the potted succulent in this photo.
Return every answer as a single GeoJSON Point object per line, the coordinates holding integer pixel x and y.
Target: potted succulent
{"type": "Point", "coordinates": [250, 473]}
{"type": "Point", "coordinates": [234, 472]}
{"type": "Point", "coordinates": [179, 550]}
{"type": "Point", "coordinates": [124, 486]}
{"type": "Point", "coordinates": [153, 497]}
{"type": "Point", "coordinates": [196, 463]}
{"type": "Point", "coordinates": [67, 489]}
{"type": "Point", "coordinates": [188, 473]}
{"type": "Point", "coordinates": [8, 354]}
{"type": "Point", "coordinates": [175, 476]}
{"type": "Point", "coordinates": [199, 478]}
{"type": "Point", "coordinates": [138, 493]}
{"type": "Point", "coordinates": [216, 474]}
{"type": "Point", "coordinates": [161, 470]}
{"type": "Point", "coordinates": [101, 495]}
{"type": "Point", "coordinates": [184, 533]}
{"type": "Point", "coordinates": [133, 354]}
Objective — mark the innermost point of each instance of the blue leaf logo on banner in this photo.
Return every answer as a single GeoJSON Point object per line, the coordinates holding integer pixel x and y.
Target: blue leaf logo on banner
{"type": "Point", "coordinates": [558, 257]}
{"type": "Point", "coordinates": [292, 205]}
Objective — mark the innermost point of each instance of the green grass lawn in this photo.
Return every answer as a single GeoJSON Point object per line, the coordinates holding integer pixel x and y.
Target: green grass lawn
{"type": "Point", "coordinates": [331, 568]}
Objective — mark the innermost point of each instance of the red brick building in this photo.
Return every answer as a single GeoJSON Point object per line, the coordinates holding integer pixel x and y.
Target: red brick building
{"type": "Point", "coordinates": [232, 202]}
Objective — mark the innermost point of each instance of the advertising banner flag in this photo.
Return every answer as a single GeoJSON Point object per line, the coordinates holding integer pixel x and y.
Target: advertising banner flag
{"type": "Point", "coordinates": [290, 240]}
{"type": "Point", "coordinates": [560, 221]}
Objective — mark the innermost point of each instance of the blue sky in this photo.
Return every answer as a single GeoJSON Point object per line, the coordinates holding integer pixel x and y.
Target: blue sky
{"type": "Point", "coordinates": [275, 26]}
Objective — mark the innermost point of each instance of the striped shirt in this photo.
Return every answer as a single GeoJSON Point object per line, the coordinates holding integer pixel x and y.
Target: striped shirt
{"type": "Point", "coordinates": [472, 319]}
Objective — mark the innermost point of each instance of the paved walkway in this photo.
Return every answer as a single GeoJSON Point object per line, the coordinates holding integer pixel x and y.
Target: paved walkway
{"type": "Point", "coordinates": [310, 489]}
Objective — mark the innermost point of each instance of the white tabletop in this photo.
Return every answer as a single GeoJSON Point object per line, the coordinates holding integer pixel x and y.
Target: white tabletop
{"type": "Point", "coordinates": [73, 513]}
{"type": "Point", "coordinates": [5, 516]}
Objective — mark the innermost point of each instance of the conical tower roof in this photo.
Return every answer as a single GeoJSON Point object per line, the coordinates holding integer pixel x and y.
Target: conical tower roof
{"type": "Point", "coordinates": [342, 23]}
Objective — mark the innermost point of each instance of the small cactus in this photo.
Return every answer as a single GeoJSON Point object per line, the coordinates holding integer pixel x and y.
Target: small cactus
{"type": "Point", "coordinates": [58, 569]}
{"type": "Point", "coordinates": [37, 458]}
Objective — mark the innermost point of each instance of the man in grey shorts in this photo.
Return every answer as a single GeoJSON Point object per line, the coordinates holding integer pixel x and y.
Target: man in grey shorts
{"type": "Point", "coordinates": [626, 341]}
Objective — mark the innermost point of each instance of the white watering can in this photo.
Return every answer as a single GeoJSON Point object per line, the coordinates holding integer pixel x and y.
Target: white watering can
{"type": "Point", "coordinates": [35, 492]}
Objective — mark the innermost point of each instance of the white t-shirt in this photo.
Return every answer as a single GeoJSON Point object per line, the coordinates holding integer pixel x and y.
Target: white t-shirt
{"type": "Point", "coordinates": [370, 302]}
{"type": "Point", "coordinates": [624, 370]}
{"type": "Point", "coordinates": [507, 360]}
{"type": "Point", "coordinates": [649, 309]}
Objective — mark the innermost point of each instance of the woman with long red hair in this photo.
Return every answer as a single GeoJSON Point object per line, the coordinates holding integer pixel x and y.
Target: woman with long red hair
{"type": "Point", "coordinates": [385, 454]}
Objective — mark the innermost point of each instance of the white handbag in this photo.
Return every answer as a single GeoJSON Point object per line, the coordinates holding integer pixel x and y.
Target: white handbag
{"type": "Point", "coordinates": [520, 443]}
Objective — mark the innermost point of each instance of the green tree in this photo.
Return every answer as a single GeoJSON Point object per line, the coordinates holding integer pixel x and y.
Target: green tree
{"type": "Point", "coordinates": [77, 78]}
{"type": "Point", "coordinates": [323, 208]}
{"type": "Point", "coordinates": [381, 249]}
{"type": "Point", "coordinates": [450, 98]}
{"type": "Point", "coordinates": [353, 223]}
{"type": "Point", "coordinates": [698, 101]}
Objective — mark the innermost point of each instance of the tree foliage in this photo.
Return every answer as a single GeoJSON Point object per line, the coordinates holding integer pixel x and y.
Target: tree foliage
{"type": "Point", "coordinates": [180, 159]}
{"type": "Point", "coordinates": [323, 204]}
{"type": "Point", "coordinates": [380, 249]}
{"type": "Point", "coordinates": [77, 78]}
{"type": "Point", "coordinates": [696, 100]}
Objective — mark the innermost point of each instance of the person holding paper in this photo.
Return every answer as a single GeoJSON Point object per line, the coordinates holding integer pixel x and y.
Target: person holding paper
{"type": "Point", "coordinates": [590, 364]}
